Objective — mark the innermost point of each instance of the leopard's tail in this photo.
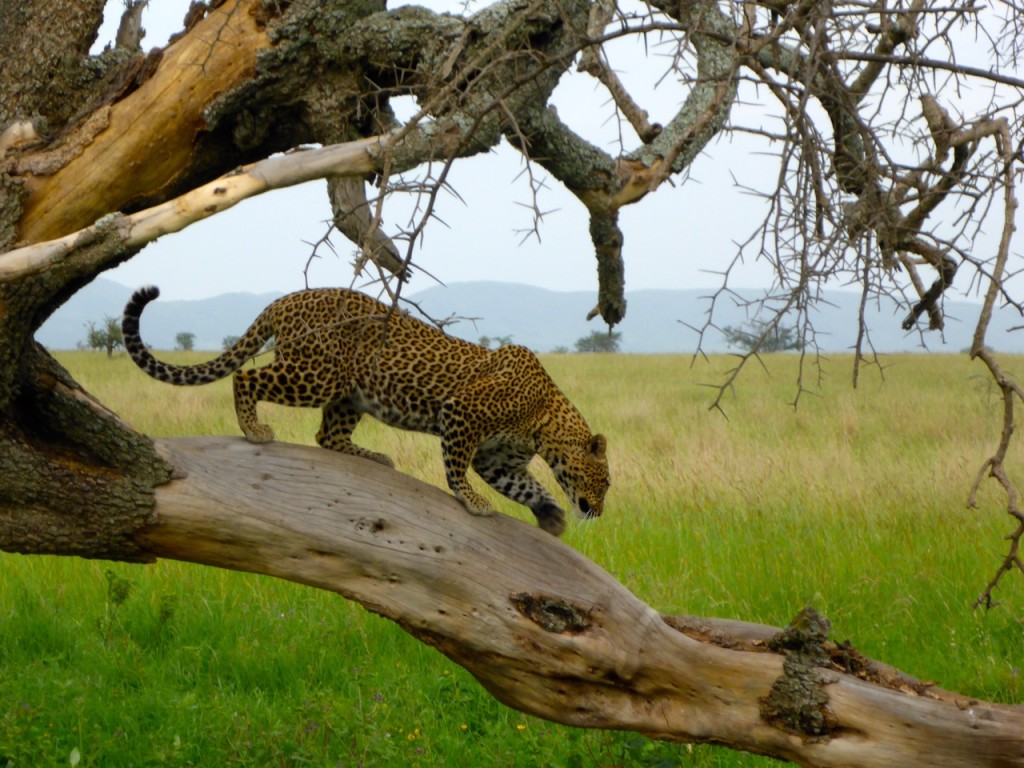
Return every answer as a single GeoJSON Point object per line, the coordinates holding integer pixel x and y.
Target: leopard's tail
{"type": "Point", "coordinates": [230, 361]}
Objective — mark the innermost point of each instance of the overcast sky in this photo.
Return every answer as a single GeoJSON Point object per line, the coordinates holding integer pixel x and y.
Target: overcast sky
{"type": "Point", "coordinates": [675, 238]}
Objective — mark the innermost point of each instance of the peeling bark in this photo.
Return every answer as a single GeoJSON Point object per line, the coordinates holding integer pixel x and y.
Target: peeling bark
{"type": "Point", "coordinates": [112, 165]}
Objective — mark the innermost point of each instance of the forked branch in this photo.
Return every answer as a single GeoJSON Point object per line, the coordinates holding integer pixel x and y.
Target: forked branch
{"type": "Point", "coordinates": [995, 467]}
{"type": "Point", "coordinates": [593, 63]}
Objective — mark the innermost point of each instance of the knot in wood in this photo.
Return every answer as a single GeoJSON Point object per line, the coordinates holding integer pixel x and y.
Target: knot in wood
{"type": "Point", "coordinates": [552, 614]}
{"type": "Point", "coordinates": [373, 526]}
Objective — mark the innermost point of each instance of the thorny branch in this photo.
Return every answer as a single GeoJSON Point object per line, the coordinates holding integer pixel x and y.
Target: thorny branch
{"type": "Point", "coordinates": [995, 466]}
{"type": "Point", "coordinates": [594, 62]}
{"type": "Point", "coordinates": [847, 203]}
{"type": "Point", "coordinates": [1010, 389]}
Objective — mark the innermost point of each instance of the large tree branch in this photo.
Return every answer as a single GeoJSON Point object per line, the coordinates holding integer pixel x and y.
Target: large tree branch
{"type": "Point", "coordinates": [540, 626]}
{"type": "Point", "coordinates": [76, 480]}
{"type": "Point", "coordinates": [544, 629]}
{"type": "Point", "coordinates": [137, 229]}
{"type": "Point", "coordinates": [605, 184]}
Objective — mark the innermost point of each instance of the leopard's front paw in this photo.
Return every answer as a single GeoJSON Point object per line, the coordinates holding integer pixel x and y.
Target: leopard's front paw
{"type": "Point", "coordinates": [474, 503]}
{"type": "Point", "coordinates": [550, 518]}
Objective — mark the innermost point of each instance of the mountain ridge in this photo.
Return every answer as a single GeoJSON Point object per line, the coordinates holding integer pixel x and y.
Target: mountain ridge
{"type": "Point", "coordinates": [657, 320]}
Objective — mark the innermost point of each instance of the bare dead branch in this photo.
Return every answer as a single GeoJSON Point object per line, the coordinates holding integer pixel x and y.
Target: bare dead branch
{"type": "Point", "coordinates": [548, 632]}
{"type": "Point", "coordinates": [352, 218]}
{"type": "Point", "coordinates": [357, 157]}
{"type": "Point", "coordinates": [1010, 389]}
{"type": "Point", "coordinates": [593, 63]}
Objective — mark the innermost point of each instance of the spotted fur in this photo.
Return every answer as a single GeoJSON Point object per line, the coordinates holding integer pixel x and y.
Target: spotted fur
{"type": "Point", "coordinates": [351, 355]}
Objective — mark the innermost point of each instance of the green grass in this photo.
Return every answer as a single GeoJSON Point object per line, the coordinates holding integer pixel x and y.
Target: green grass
{"type": "Point", "coordinates": [853, 502]}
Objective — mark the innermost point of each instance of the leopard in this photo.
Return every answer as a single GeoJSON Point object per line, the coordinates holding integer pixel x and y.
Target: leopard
{"type": "Point", "coordinates": [352, 355]}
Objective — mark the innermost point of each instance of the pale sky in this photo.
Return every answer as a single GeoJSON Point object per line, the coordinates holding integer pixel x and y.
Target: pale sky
{"type": "Point", "coordinates": [675, 238]}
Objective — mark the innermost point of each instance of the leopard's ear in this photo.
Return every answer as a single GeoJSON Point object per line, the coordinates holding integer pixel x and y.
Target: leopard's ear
{"type": "Point", "coordinates": [597, 447]}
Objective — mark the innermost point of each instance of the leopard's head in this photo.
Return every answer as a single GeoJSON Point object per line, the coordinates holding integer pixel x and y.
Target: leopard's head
{"type": "Point", "coordinates": [584, 476]}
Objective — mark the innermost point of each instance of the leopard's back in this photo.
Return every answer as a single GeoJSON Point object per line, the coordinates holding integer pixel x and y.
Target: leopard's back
{"type": "Point", "coordinates": [401, 369]}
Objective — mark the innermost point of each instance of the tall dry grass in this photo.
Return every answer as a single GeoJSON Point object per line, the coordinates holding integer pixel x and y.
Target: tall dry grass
{"type": "Point", "coordinates": [853, 502]}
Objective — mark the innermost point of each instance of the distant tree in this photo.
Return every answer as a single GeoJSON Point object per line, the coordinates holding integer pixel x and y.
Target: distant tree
{"type": "Point", "coordinates": [107, 336]}
{"type": "Point", "coordinates": [763, 337]}
{"type": "Point", "coordinates": [560, 350]}
{"type": "Point", "coordinates": [185, 341]}
{"type": "Point", "coordinates": [229, 341]}
{"type": "Point", "coordinates": [599, 342]}
{"type": "Point", "coordinates": [500, 341]}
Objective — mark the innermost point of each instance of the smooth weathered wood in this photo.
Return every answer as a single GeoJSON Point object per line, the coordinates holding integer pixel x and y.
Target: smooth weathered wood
{"type": "Point", "coordinates": [137, 229]}
{"type": "Point", "coordinates": [543, 628]}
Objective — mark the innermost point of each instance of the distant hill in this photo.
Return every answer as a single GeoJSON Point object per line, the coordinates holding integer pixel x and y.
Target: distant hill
{"type": "Point", "coordinates": [659, 321]}
{"type": "Point", "coordinates": [656, 321]}
{"type": "Point", "coordinates": [209, 319]}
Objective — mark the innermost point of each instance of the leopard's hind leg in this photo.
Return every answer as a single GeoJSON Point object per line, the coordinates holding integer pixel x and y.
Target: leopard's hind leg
{"type": "Point", "coordinates": [284, 382]}
{"type": "Point", "coordinates": [340, 419]}
{"type": "Point", "coordinates": [249, 388]}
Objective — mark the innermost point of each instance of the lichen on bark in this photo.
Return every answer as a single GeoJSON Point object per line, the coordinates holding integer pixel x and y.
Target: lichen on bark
{"type": "Point", "coordinates": [798, 702]}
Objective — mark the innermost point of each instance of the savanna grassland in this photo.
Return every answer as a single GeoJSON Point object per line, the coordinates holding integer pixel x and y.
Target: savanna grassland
{"type": "Point", "coordinates": [854, 502]}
